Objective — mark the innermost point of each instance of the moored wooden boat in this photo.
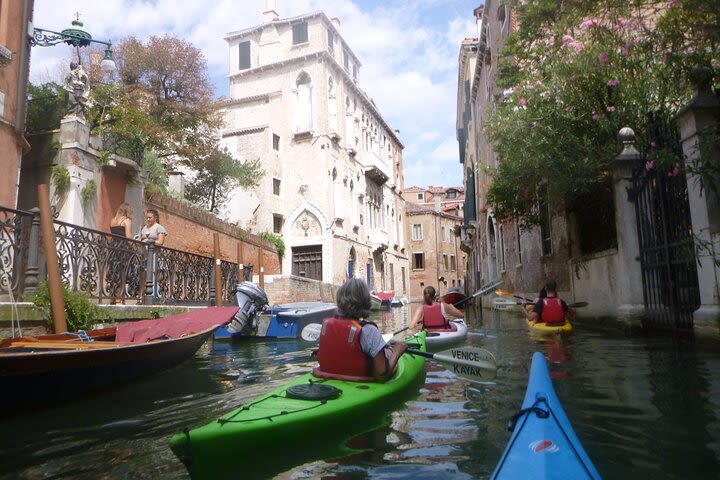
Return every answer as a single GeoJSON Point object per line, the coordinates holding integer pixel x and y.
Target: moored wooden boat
{"type": "Point", "coordinates": [385, 299]}
{"type": "Point", "coordinates": [47, 369]}
{"type": "Point", "coordinates": [455, 295]}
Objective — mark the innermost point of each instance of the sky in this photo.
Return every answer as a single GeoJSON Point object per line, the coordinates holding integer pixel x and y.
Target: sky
{"type": "Point", "coordinates": [408, 50]}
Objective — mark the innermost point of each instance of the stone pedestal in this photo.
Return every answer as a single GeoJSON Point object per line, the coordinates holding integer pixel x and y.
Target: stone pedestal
{"type": "Point", "coordinates": [698, 123]}
{"type": "Point", "coordinates": [630, 295]}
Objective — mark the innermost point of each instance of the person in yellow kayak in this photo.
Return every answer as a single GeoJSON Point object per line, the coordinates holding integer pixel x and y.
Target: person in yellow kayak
{"type": "Point", "coordinates": [551, 309]}
{"type": "Point", "coordinates": [434, 314]}
{"type": "Point", "coordinates": [352, 348]}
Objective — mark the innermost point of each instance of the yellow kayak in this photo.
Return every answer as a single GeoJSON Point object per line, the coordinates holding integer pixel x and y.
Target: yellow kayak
{"type": "Point", "coordinates": [550, 328]}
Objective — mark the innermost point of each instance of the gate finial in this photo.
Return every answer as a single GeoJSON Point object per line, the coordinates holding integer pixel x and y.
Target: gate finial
{"type": "Point", "coordinates": [629, 153]}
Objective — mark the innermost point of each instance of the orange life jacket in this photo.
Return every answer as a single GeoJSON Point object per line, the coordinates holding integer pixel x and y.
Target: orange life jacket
{"type": "Point", "coordinates": [433, 317]}
{"type": "Point", "coordinates": [339, 351]}
{"type": "Point", "coordinates": [552, 311]}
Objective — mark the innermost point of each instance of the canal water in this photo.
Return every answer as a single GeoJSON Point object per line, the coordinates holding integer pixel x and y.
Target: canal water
{"type": "Point", "coordinates": [644, 406]}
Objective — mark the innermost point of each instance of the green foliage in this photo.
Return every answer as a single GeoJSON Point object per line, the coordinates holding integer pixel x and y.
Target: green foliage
{"type": "Point", "coordinates": [217, 176]}
{"type": "Point", "coordinates": [157, 180]}
{"type": "Point", "coordinates": [573, 76]}
{"type": "Point", "coordinates": [60, 177]}
{"type": "Point", "coordinates": [54, 148]}
{"type": "Point", "coordinates": [88, 192]}
{"type": "Point", "coordinates": [46, 107]}
{"type": "Point", "coordinates": [275, 240]}
{"type": "Point", "coordinates": [80, 312]}
{"type": "Point", "coordinates": [103, 159]}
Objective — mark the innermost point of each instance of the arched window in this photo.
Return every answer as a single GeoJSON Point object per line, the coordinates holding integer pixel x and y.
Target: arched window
{"type": "Point", "coordinates": [332, 107]}
{"type": "Point", "coordinates": [303, 103]}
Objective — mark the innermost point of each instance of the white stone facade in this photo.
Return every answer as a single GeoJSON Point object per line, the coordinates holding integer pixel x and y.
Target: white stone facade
{"type": "Point", "coordinates": [333, 167]}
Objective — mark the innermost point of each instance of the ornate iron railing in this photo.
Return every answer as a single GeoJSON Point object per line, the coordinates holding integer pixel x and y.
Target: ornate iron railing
{"type": "Point", "coordinates": [14, 235]}
{"type": "Point", "coordinates": [109, 267]}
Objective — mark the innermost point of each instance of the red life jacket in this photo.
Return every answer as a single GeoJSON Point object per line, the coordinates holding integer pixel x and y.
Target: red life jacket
{"type": "Point", "coordinates": [339, 351]}
{"type": "Point", "coordinates": [552, 311]}
{"type": "Point", "coordinates": [433, 317]}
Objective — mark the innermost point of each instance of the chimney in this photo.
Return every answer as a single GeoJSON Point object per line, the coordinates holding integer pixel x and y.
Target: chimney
{"type": "Point", "coordinates": [437, 203]}
{"type": "Point", "coordinates": [397, 133]}
{"type": "Point", "coordinates": [478, 12]}
{"type": "Point", "coordinates": [176, 183]}
{"type": "Point", "coordinates": [270, 15]}
{"type": "Point", "coordinates": [336, 23]}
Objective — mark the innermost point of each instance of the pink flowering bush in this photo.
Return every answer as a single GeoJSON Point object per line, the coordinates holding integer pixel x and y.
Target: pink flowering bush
{"type": "Point", "coordinates": [580, 75]}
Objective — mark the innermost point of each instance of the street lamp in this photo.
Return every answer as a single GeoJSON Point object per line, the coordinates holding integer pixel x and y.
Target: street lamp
{"type": "Point", "coordinates": [75, 36]}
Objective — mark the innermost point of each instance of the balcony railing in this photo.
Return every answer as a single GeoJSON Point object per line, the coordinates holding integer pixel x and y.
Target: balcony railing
{"type": "Point", "coordinates": [108, 267]}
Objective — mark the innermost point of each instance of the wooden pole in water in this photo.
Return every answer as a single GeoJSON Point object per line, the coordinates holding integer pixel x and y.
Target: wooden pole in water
{"type": "Point", "coordinates": [51, 258]}
{"type": "Point", "coordinates": [241, 267]}
{"type": "Point", "coordinates": [261, 268]}
{"type": "Point", "coordinates": [218, 270]}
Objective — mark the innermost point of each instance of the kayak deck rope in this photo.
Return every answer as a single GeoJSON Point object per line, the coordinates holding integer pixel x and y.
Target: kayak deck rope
{"type": "Point", "coordinates": [538, 411]}
{"type": "Point", "coordinates": [244, 408]}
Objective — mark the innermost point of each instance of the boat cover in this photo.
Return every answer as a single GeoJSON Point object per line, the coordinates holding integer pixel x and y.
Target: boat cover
{"type": "Point", "coordinates": [175, 326]}
{"type": "Point", "coordinates": [385, 296]}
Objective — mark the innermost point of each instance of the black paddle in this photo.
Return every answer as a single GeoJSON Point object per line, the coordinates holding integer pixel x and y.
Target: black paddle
{"type": "Point", "coordinates": [503, 293]}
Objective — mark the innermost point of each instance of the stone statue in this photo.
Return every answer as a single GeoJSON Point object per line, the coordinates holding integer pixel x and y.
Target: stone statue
{"type": "Point", "coordinates": [78, 86]}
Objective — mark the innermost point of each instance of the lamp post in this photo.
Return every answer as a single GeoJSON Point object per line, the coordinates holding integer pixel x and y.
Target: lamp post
{"type": "Point", "coordinates": [75, 36]}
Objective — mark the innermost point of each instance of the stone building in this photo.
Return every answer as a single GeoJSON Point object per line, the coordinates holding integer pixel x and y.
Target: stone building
{"type": "Point", "coordinates": [15, 17]}
{"type": "Point", "coordinates": [521, 258]}
{"type": "Point", "coordinates": [450, 200]}
{"type": "Point", "coordinates": [434, 250]}
{"type": "Point", "coordinates": [333, 166]}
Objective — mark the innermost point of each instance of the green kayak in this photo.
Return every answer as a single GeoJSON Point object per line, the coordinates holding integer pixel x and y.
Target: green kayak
{"type": "Point", "coordinates": [307, 419]}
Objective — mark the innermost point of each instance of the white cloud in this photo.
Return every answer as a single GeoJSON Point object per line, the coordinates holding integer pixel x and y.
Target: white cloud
{"type": "Point", "coordinates": [408, 50]}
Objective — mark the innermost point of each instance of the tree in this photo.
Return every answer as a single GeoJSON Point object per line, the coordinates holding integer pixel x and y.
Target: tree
{"type": "Point", "coordinates": [163, 103]}
{"type": "Point", "coordinates": [46, 107]}
{"type": "Point", "coordinates": [219, 174]}
{"type": "Point", "coordinates": [573, 75]}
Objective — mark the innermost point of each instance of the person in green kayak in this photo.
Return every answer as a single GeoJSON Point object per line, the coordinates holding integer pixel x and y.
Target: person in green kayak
{"type": "Point", "coordinates": [551, 309]}
{"type": "Point", "coordinates": [434, 314]}
{"type": "Point", "coordinates": [352, 348]}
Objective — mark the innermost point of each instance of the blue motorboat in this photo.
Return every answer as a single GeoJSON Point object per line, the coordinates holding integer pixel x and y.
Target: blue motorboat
{"type": "Point", "coordinates": [287, 320]}
{"type": "Point", "coordinates": [543, 444]}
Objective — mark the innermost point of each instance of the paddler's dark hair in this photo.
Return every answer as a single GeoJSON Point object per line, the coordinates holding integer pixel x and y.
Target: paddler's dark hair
{"type": "Point", "coordinates": [429, 295]}
{"type": "Point", "coordinates": [353, 299]}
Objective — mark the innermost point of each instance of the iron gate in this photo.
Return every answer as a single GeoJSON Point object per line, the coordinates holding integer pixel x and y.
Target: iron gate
{"type": "Point", "coordinates": [667, 248]}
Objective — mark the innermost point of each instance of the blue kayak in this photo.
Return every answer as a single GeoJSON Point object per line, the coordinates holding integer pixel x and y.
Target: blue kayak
{"type": "Point", "coordinates": [543, 444]}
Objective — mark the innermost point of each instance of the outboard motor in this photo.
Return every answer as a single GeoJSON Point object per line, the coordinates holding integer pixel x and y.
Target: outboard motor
{"type": "Point", "coordinates": [251, 299]}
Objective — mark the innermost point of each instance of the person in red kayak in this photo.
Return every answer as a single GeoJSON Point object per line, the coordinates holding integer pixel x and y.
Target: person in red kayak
{"type": "Point", "coordinates": [551, 309]}
{"type": "Point", "coordinates": [352, 347]}
{"type": "Point", "coordinates": [434, 314]}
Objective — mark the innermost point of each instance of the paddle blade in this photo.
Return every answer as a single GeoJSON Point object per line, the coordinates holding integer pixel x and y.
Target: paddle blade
{"type": "Point", "coordinates": [311, 332]}
{"type": "Point", "coordinates": [469, 362]}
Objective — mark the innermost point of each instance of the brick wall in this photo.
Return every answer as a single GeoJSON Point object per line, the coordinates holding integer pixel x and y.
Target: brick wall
{"type": "Point", "coordinates": [191, 229]}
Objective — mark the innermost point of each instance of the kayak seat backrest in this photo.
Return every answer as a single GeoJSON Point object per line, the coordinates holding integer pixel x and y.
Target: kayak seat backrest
{"type": "Point", "coordinates": [336, 376]}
